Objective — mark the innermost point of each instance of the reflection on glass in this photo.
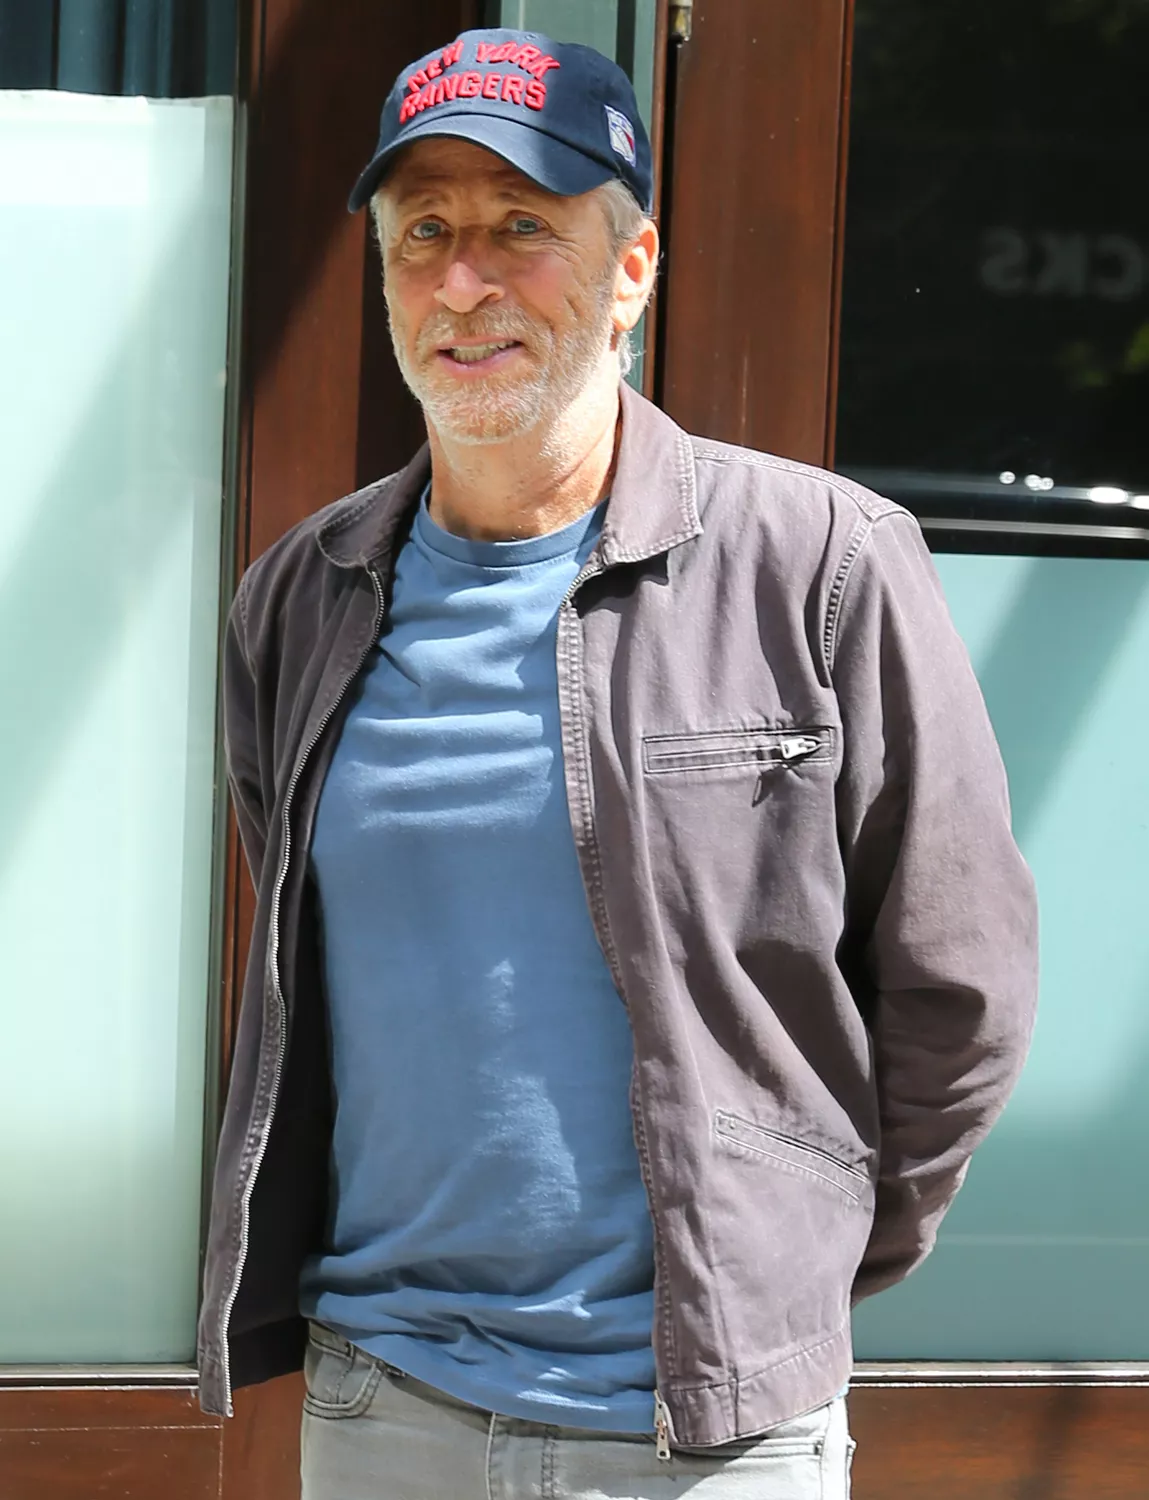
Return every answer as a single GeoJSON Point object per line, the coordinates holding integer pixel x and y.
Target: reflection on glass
{"type": "Point", "coordinates": [995, 345]}
{"type": "Point", "coordinates": [114, 250]}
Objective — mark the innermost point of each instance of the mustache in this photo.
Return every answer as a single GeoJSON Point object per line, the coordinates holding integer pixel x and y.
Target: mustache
{"type": "Point", "coordinates": [491, 323]}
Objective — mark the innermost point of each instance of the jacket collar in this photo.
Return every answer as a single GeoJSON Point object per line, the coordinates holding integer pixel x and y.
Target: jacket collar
{"type": "Point", "coordinates": [653, 502]}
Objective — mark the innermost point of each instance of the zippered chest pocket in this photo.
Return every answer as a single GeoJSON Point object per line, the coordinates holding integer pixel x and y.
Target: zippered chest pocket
{"type": "Point", "coordinates": [721, 749]}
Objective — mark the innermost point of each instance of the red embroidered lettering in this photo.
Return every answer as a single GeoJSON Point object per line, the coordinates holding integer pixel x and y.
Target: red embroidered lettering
{"type": "Point", "coordinates": [491, 85]}
{"type": "Point", "coordinates": [525, 56]}
{"type": "Point", "coordinates": [406, 109]}
{"type": "Point", "coordinates": [451, 84]}
{"type": "Point", "coordinates": [485, 50]}
{"type": "Point", "coordinates": [541, 66]}
{"type": "Point", "coordinates": [417, 80]}
{"type": "Point", "coordinates": [502, 52]}
{"type": "Point", "coordinates": [426, 96]}
{"type": "Point", "coordinates": [440, 92]}
{"type": "Point", "coordinates": [536, 94]}
{"type": "Point", "coordinates": [469, 84]}
{"type": "Point", "coordinates": [453, 53]}
{"type": "Point", "coordinates": [513, 89]}
{"type": "Point", "coordinates": [433, 68]}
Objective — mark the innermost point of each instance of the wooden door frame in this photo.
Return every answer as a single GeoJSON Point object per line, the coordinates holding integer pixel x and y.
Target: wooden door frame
{"type": "Point", "coordinates": [756, 202]}
{"type": "Point", "coordinates": [757, 122]}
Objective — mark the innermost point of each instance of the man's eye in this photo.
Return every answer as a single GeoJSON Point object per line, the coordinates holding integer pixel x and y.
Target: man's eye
{"type": "Point", "coordinates": [525, 225]}
{"type": "Point", "coordinates": [426, 229]}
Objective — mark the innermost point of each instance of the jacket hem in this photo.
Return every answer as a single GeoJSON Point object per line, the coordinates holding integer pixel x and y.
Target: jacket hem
{"type": "Point", "coordinates": [262, 1354]}
{"type": "Point", "coordinates": [731, 1410]}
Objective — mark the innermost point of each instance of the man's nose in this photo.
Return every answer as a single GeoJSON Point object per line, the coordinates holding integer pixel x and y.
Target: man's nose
{"type": "Point", "coordinates": [465, 288]}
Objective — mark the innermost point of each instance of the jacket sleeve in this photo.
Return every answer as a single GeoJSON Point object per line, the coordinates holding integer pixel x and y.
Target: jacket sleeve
{"type": "Point", "coordinates": [241, 745]}
{"type": "Point", "coordinates": [941, 914]}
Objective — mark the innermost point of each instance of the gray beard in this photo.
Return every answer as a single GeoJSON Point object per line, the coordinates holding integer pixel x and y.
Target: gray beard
{"type": "Point", "coordinates": [564, 367]}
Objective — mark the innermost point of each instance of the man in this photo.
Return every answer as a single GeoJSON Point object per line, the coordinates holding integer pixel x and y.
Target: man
{"type": "Point", "coordinates": [641, 949]}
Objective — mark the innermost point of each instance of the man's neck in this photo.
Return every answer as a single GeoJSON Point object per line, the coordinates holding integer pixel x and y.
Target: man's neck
{"type": "Point", "coordinates": [531, 484]}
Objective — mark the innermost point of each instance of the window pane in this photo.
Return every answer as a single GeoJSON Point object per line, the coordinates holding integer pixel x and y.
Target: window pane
{"type": "Point", "coordinates": [995, 347]}
{"type": "Point", "coordinates": [114, 250]}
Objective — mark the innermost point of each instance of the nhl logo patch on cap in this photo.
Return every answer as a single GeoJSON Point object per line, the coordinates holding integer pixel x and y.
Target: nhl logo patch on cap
{"type": "Point", "coordinates": [621, 134]}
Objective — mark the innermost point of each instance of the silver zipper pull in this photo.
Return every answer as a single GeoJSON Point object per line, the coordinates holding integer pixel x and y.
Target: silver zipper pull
{"type": "Point", "coordinates": [661, 1428]}
{"type": "Point", "coordinates": [796, 745]}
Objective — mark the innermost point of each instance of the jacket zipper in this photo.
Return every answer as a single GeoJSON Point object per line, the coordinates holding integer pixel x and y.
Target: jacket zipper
{"type": "Point", "coordinates": [661, 1412]}
{"type": "Point", "coordinates": [793, 747]}
{"type": "Point", "coordinates": [826, 1156]}
{"type": "Point", "coordinates": [273, 962]}
{"type": "Point", "coordinates": [661, 1428]}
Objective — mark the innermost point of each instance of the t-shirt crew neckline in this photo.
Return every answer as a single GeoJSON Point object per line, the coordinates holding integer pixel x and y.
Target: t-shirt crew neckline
{"type": "Point", "coordinates": [518, 553]}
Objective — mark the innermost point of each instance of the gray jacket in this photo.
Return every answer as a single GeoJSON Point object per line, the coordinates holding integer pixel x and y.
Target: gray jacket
{"type": "Point", "coordinates": [793, 829]}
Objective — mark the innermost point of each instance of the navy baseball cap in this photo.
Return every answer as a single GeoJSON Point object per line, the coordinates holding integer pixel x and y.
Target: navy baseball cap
{"type": "Point", "coordinates": [563, 114]}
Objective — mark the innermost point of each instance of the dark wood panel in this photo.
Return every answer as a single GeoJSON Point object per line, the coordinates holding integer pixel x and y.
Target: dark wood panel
{"type": "Point", "coordinates": [318, 76]}
{"type": "Point", "coordinates": [658, 152]}
{"type": "Point", "coordinates": [61, 1443]}
{"type": "Point", "coordinates": [311, 98]}
{"type": "Point", "coordinates": [1043, 1443]}
{"type": "Point", "coordinates": [839, 237]}
{"type": "Point", "coordinates": [107, 1444]}
{"type": "Point", "coordinates": [261, 1442]}
{"type": "Point", "coordinates": [126, 1463]}
{"type": "Point", "coordinates": [753, 214]}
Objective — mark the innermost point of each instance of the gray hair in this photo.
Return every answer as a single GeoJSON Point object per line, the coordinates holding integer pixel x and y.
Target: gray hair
{"type": "Point", "coordinates": [624, 221]}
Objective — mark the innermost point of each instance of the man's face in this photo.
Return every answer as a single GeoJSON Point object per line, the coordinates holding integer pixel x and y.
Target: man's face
{"type": "Point", "coordinates": [501, 295]}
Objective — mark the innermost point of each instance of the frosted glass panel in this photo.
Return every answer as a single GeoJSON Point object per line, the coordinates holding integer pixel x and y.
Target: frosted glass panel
{"type": "Point", "coordinates": [114, 249]}
{"type": "Point", "coordinates": [1045, 1254]}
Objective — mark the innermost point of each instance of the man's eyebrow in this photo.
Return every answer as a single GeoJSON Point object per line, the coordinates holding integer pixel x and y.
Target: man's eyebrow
{"type": "Point", "coordinates": [426, 187]}
{"type": "Point", "coordinates": [508, 188]}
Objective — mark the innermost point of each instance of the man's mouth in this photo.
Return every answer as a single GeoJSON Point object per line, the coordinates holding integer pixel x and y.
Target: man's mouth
{"type": "Point", "coordinates": [472, 354]}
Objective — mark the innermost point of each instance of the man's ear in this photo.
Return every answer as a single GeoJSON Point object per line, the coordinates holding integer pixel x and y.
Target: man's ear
{"type": "Point", "coordinates": [634, 279]}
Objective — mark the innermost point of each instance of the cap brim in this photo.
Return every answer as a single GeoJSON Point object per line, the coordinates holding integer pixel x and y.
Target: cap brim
{"type": "Point", "coordinates": [551, 163]}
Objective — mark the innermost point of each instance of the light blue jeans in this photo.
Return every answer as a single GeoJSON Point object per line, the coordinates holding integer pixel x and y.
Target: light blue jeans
{"type": "Point", "coordinates": [372, 1434]}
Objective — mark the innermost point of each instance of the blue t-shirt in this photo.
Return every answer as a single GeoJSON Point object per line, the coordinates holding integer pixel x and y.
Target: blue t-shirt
{"type": "Point", "coordinates": [489, 1233]}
